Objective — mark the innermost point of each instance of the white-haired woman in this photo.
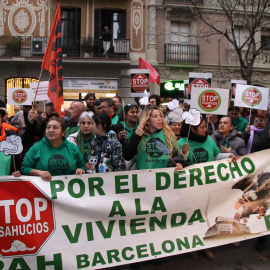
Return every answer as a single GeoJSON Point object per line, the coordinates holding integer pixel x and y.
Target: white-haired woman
{"type": "Point", "coordinates": [84, 136]}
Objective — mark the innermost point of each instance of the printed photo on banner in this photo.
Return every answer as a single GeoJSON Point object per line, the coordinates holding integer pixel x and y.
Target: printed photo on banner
{"type": "Point", "coordinates": [253, 97]}
{"type": "Point", "coordinates": [19, 96]}
{"type": "Point", "coordinates": [210, 100]}
{"type": "Point", "coordinates": [42, 93]}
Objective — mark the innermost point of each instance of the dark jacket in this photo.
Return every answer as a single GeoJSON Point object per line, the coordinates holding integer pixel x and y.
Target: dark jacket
{"type": "Point", "coordinates": [106, 35]}
{"type": "Point", "coordinates": [238, 146]}
{"type": "Point", "coordinates": [261, 140]}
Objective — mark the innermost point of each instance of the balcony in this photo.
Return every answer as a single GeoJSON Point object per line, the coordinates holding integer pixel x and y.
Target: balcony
{"type": "Point", "coordinates": [71, 48]}
{"type": "Point", "coordinates": [183, 2]}
{"type": "Point", "coordinates": [185, 53]}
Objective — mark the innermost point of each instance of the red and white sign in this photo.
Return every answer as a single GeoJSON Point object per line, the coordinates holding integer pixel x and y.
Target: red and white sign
{"type": "Point", "coordinates": [202, 83]}
{"type": "Point", "coordinates": [234, 83]}
{"type": "Point", "coordinates": [251, 97]}
{"type": "Point", "coordinates": [209, 100]}
{"type": "Point", "coordinates": [140, 82]}
{"type": "Point", "coordinates": [19, 96]}
{"type": "Point", "coordinates": [27, 218]}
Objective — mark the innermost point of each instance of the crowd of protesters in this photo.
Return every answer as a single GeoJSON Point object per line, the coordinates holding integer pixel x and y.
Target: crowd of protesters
{"type": "Point", "coordinates": [103, 136]}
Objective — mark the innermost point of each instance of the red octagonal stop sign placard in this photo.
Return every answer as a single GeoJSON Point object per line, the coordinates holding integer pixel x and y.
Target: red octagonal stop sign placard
{"type": "Point", "coordinates": [27, 219]}
{"type": "Point", "coordinates": [140, 82]}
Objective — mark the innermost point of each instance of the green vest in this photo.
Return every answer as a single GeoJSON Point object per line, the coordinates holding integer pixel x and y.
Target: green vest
{"type": "Point", "coordinates": [148, 156]}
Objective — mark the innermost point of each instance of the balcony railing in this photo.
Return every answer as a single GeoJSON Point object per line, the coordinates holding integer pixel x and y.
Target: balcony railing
{"type": "Point", "coordinates": [175, 52]}
{"type": "Point", "coordinates": [182, 2]}
{"type": "Point", "coordinates": [71, 48]}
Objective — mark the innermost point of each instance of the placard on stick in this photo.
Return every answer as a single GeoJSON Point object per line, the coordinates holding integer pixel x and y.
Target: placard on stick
{"type": "Point", "coordinates": [210, 100]}
{"type": "Point", "coordinates": [252, 97]}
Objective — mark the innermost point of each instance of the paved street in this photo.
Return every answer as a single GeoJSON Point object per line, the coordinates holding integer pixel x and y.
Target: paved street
{"type": "Point", "coordinates": [244, 257]}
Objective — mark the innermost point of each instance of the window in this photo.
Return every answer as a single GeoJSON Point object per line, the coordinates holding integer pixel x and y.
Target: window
{"type": "Point", "coordinates": [183, 29]}
{"type": "Point", "coordinates": [241, 36]}
{"type": "Point", "coordinates": [71, 31]}
{"type": "Point", "coordinates": [265, 39]}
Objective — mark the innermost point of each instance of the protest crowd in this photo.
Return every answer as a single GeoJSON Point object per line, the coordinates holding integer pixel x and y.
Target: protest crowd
{"type": "Point", "coordinates": [106, 135]}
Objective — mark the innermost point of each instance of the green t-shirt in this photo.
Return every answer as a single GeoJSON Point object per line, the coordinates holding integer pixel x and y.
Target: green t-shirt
{"type": "Point", "coordinates": [200, 152]}
{"type": "Point", "coordinates": [5, 164]}
{"type": "Point", "coordinates": [128, 130]}
{"type": "Point", "coordinates": [148, 156]}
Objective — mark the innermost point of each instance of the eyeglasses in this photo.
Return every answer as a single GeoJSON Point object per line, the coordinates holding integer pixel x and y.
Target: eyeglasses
{"type": "Point", "coordinates": [91, 99]}
{"type": "Point", "coordinates": [258, 121]}
{"type": "Point", "coordinates": [102, 107]}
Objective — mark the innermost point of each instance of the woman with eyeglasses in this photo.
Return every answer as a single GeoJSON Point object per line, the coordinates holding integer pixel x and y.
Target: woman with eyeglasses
{"type": "Point", "coordinates": [150, 141]}
{"type": "Point", "coordinates": [106, 149]}
{"type": "Point", "coordinates": [256, 136]}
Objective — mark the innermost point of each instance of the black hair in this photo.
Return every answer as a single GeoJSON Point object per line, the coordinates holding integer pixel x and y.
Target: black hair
{"type": "Point", "coordinates": [109, 101]}
{"type": "Point", "coordinates": [59, 120]}
{"type": "Point", "coordinates": [103, 119]}
{"type": "Point", "coordinates": [157, 98]}
{"type": "Point", "coordinates": [234, 108]}
{"type": "Point", "coordinates": [128, 107]}
{"type": "Point", "coordinates": [185, 128]}
{"type": "Point", "coordinates": [90, 95]}
{"type": "Point", "coordinates": [226, 116]}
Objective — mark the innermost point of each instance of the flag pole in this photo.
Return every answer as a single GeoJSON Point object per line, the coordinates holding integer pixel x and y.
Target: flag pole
{"type": "Point", "coordinates": [33, 105]}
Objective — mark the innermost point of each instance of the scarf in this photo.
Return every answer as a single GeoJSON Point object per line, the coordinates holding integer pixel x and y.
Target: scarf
{"type": "Point", "coordinates": [197, 138]}
{"type": "Point", "coordinates": [3, 129]}
{"type": "Point", "coordinates": [84, 144]}
{"type": "Point", "coordinates": [251, 138]}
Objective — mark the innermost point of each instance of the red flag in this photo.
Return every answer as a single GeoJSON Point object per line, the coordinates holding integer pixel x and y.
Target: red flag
{"type": "Point", "coordinates": [52, 62]}
{"type": "Point", "coordinates": [154, 76]}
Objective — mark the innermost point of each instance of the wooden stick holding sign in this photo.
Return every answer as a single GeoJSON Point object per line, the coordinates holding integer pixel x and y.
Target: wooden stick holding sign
{"type": "Point", "coordinates": [192, 118]}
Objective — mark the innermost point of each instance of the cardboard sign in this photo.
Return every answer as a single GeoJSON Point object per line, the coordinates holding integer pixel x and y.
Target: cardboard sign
{"type": "Point", "coordinates": [202, 80]}
{"type": "Point", "coordinates": [19, 96]}
{"type": "Point", "coordinates": [210, 100]}
{"type": "Point", "coordinates": [252, 97]}
{"type": "Point", "coordinates": [140, 82]}
{"type": "Point", "coordinates": [42, 90]}
{"type": "Point", "coordinates": [233, 84]}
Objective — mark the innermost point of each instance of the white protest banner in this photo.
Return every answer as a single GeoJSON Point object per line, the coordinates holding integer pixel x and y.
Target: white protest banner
{"type": "Point", "coordinates": [233, 86]}
{"type": "Point", "coordinates": [19, 96]}
{"type": "Point", "coordinates": [96, 221]}
{"type": "Point", "coordinates": [210, 100]}
{"type": "Point", "coordinates": [42, 93]}
{"type": "Point", "coordinates": [252, 97]}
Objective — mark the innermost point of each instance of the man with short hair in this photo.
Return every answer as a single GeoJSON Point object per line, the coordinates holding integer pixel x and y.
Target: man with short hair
{"type": "Point", "coordinates": [76, 108]}
{"type": "Point", "coordinates": [107, 105]}
{"type": "Point", "coordinates": [43, 119]}
{"type": "Point", "coordinates": [226, 138]}
{"type": "Point", "coordinates": [239, 122]}
{"type": "Point", "coordinates": [154, 100]}
{"type": "Point", "coordinates": [118, 106]}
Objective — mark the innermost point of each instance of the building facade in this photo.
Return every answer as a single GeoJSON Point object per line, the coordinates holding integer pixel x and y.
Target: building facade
{"type": "Point", "coordinates": [163, 32]}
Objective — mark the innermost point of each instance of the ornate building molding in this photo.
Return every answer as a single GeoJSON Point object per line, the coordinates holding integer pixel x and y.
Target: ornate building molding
{"type": "Point", "coordinates": [137, 37]}
{"type": "Point", "coordinates": [22, 17]}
